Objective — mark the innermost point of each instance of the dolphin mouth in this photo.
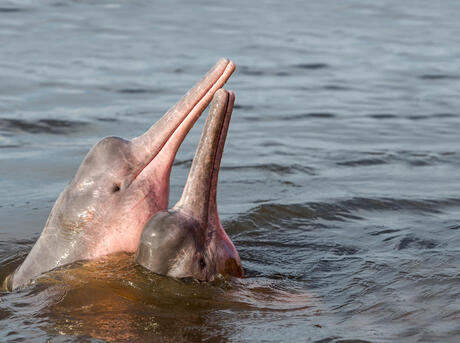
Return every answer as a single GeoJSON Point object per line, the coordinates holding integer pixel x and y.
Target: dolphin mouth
{"type": "Point", "coordinates": [157, 148]}
{"type": "Point", "coordinates": [199, 196]}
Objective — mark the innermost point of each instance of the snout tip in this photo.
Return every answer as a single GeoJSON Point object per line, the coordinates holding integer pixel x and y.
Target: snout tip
{"type": "Point", "coordinates": [220, 95]}
{"type": "Point", "coordinates": [231, 97]}
{"type": "Point", "coordinates": [230, 65]}
{"type": "Point", "coordinates": [224, 95]}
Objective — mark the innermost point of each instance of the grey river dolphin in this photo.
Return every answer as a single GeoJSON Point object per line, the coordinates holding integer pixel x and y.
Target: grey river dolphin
{"type": "Point", "coordinates": [119, 186]}
{"type": "Point", "coordinates": [188, 240]}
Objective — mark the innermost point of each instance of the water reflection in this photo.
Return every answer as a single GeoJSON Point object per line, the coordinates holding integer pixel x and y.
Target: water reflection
{"type": "Point", "coordinates": [117, 301]}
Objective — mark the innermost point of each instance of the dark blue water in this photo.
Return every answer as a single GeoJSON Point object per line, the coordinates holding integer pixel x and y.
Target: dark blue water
{"type": "Point", "coordinates": [340, 183]}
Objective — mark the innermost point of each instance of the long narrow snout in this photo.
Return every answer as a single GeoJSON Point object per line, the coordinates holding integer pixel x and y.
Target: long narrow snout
{"type": "Point", "coordinates": [199, 198]}
{"type": "Point", "coordinates": [199, 195]}
{"type": "Point", "coordinates": [158, 146]}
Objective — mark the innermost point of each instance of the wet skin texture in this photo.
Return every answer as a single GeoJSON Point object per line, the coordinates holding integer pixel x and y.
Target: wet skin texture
{"type": "Point", "coordinates": [189, 240]}
{"type": "Point", "coordinates": [119, 186]}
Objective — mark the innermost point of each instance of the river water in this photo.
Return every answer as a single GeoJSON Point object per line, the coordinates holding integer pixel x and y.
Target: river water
{"type": "Point", "coordinates": [339, 186]}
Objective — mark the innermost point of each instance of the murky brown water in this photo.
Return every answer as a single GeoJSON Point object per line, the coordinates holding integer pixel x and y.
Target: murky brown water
{"type": "Point", "coordinates": [340, 180]}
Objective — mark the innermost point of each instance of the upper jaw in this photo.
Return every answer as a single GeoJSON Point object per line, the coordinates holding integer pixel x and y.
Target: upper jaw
{"type": "Point", "coordinates": [198, 198]}
{"type": "Point", "coordinates": [156, 148]}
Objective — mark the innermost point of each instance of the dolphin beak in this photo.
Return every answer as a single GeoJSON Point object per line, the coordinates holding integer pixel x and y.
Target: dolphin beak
{"type": "Point", "coordinates": [199, 196]}
{"type": "Point", "coordinates": [198, 199]}
{"type": "Point", "coordinates": [157, 148]}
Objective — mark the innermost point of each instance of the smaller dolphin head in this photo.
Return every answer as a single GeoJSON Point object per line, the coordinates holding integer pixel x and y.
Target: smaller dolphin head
{"type": "Point", "coordinates": [189, 240]}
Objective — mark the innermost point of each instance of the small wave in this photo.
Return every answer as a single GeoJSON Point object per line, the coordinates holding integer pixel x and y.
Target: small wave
{"type": "Point", "coordinates": [412, 158]}
{"type": "Point", "coordinates": [187, 163]}
{"type": "Point", "coordinates": [135, 91]}
{"type": "Point", "coordinates": [275, 168]}
{"type": "Point", "coordinates": [10, 146]}
{"type": "Point", "coordinates": [383, 116]}
{"type": "Point", "coordinates": [13, 252]}
{"type": "Point", "coordinates": [50, 126]}
{"type": "Point", "coordinates": [12, 10]}
{"type": "Point", "coordinates": [336, 211]}
{"type": "Point", "coordinates": [320, 115]}
{"type": "Point", "coordinates": [444, 115]}
{"type": "Point", "coordinates": [417, 117]}
{"type": "Point", "coordinates": [243, 107]}
{"type": "Point", "coordinates": [110, 120]}
{"type": "Point", "coordinates": [414, 242]}
{"type": "Point", "coordinates": [273, 214]}
{"type": "Point", "coordinates": [435, 77]}
{"type": "Point", "coordinates": [384, 232]}
{"type": "Point", "coordinates": [335, 339]}
{"type": "Point", "coordinates": [336, 88]}
{"type": "Point", "coordinates": [363, 162]}
{"type": "Point", "coordinates": [388, 204]}
{"type": "Point", "coordinates": [312, 66]}
{"type": "Point", "coordinates": [259, 72]}
{"type": "Point", "coordinates": [131, 90]}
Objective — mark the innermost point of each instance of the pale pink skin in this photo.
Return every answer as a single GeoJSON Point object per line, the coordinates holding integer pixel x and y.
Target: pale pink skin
{"type": "Point", "coordinates": [119, 186]}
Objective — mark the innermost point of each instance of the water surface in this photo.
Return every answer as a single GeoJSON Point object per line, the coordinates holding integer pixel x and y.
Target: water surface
{"type": "Point", "coordinates": [339, 184]}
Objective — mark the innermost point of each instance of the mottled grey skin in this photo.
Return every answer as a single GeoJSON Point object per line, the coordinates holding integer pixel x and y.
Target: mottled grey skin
{"type": "Point", "coordinates": [189, 240]}
{"type": "Point", "coordinates": [119, 186]}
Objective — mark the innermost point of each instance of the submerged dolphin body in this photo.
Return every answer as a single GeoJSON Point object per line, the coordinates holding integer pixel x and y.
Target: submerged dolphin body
{"type": "Point", "coordinates": [188, 240]}
{"type": "Point", "coordinates": [119, 186]}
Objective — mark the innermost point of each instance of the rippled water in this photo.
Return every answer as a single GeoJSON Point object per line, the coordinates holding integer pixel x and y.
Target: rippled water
{"type": "Point", "coordinates": [340, 183]}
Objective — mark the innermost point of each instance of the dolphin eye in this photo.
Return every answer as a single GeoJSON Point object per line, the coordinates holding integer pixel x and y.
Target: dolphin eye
{"type": "Point", "coordinates": [115, 187]}
{"type": "Point", "coordinates": [202, 263]}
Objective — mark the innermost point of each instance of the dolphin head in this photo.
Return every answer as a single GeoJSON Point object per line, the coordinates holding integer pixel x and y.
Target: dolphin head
{"type": "Point", "coordinates": [189, 240]}
{"type": "Point", "coordinates": [119, 186]}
